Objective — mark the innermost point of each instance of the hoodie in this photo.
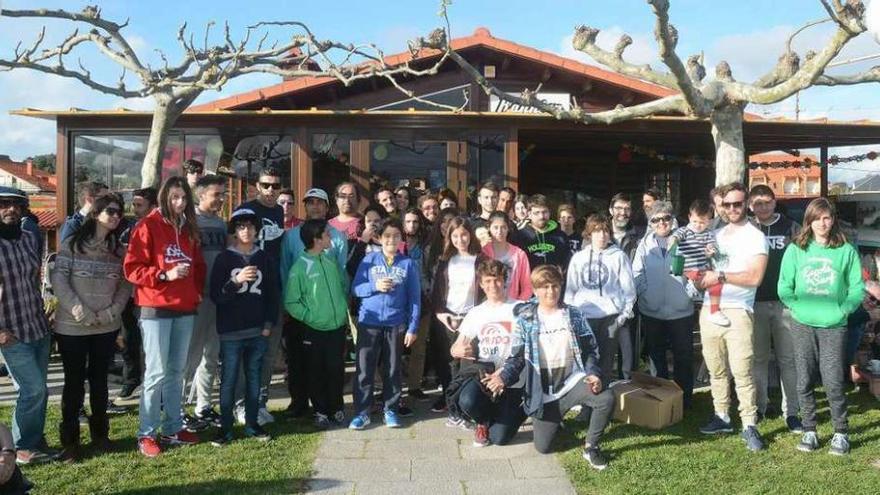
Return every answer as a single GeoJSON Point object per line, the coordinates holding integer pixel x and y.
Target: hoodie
{"type": "Point", "coordinates": [316, 292]}
{"type": "Point", "coordinates": [156, 246]}
{"type": "Point", "coordinates": [519, 283]}
{"type": "Point", "coordinates": [399, 306]}
{"type": "Point", "coordinates": [600, 283]}
{"type": "Point", "coordinates": [250, 306]}
{"type": "Point", "coordinates": [662, 295]}
{"type": "Point", "coordinates": [292, 248]}
{"type": "Point", "coordinates": [546, 247]}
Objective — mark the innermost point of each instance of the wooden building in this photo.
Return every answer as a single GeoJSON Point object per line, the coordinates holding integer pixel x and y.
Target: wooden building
{"type": "Point", "coordinates": [320, 132]}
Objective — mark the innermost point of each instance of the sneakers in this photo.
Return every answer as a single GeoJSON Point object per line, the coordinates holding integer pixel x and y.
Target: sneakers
{"type": "Point", "coordinates": [716, 426]}
{"type": "Point", "coordinates": [112, 408]}
{"type": "Point", "coordinates": [481, 435]}
{"type": "Point", "coordinates": [297, 410]}
{"type": "Point", "coordinates": [209, 416]}
{"type": "Point", "coordinates": [127, 391]}
{"type": "Point", "coordinates": [839, 444]}
{"type": "Point", "coordinates": [359, 422]}
{"type": "Point", "coordinates": [404, 411]}
{"type": "Point", "coordinates": [595, 458]}
{"type": "Point", "coordinates": [794, 424]}
{"type": "Point", "coordinates": [809, 442]}
{"type": "Point", "coordinates": [439, 405]}
{"type": "Point", "coordinates": [322, 422]}
{"type": "Point", "coordinates": [392, 420]}
{"type": "Point", "coordinates": [752, 438]}
{"type": "Point", "coordinates": [257, 433]}
{"type": "Point", "coordinates": [238, 412]}
{"type": "Point", "coordinates": [454, 422]}
{"type": "Point", "coordinates": [339, 418]}
{"type": "Point", "coordinates": [417, 394]}
{"type": "Point", "coordinates": [149, 447]}
{"type": "Point", "coordinates": [264, 417]}
{"type": "Point", "coordinates": [25, 457]}
{"type": "Point", "coordinates": [222, 439]}
{"type": "Point", "coordinates": [193, 424]}
{"type": "Point", "coordinates": [718, 318]}
{"type": "Point", "coordinates": [182, 437]}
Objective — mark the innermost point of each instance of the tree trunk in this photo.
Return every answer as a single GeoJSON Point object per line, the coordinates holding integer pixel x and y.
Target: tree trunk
{"type": "Point", "coordinates": [165, 115]}
{"type": "Point", "coordinates": [730, 150]}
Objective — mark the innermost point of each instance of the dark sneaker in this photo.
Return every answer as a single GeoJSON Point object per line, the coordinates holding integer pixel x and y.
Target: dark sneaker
{"type": "Point", "coordinates": [809, 442]}
{"type": "Point", "coordinates": [439, 405]}
{"type": "Point", "coordinates": [839, 444]}
{"type": "Point", "coordinates": [595, 458]}
{"type": "Point", "coordinates": [24, 457]}
{"type": "Point", "coordinates": [404, 411]}
{"type": "Point", "coordinates": [752, 438]}
{"type": "Point", "coordinates": [222, 439]}
{"type": "Point", "coordinates": [258, 433]}
{"type": "Point", "coordinates": [417, 394]}
{"type": "Point", "coordinates": [339, 418]}
{"type": "Point", "coordinates": [481, 435]}
{"type": "Point", "coordinates": [716, 426]}
{"type": "Point", "coordinates": [794, 424]}
{"type": "Point", "coordinates": [322, 422]}
{"type": "Point", "coordinates": [112, 408]}
{"type": "Point", "coordinates": [193, 424]}
{"type": "Point", "coordinates": [297, 411]}
{"type": "Point", "coordinates": [127, 391]}
{"type": "Point", "coordinates": [209, 416]}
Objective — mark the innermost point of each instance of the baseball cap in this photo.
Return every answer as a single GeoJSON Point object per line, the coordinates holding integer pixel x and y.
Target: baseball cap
{"type": "Point", "coordinates": [243, 215]}
{"type": "Point", "coordinates": [316, 193]}
{"type": "Point", "coordinates": [11, 193]}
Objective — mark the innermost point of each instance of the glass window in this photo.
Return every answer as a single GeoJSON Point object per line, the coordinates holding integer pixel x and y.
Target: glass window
{"type": "Point", "coordinates": [116, 160]}
{"type": "Point", "coordinates": [331, 160]}
{"type": "Point", "coordinates": [248, 155]}
{"type": "Point", "coordinates": [419, 164]}
{"type": "Point", "coordinates": [485, 163]}
{"type": "Point", "coordinates": [205, 148]}
{"type": "Point", "coordinates": [456, 97]}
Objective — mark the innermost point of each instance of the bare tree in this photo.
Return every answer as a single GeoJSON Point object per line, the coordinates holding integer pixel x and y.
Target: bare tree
{"type": "Point", "coordinates": [202, 67]}
{"type": "Point", "coordinates": [721, 100]}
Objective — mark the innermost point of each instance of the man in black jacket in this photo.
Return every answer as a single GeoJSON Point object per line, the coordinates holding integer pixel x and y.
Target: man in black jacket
{"type": "Point", "coordinates": [626, 235]}
{"type": "Point", "coordinates": [542, 239]}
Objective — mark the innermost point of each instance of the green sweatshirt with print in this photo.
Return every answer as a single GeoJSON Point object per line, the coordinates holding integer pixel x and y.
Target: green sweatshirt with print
{"type": "Point", "coordinates": [821, 285]}
{"type": "Point", "coordinates": [316, 292]}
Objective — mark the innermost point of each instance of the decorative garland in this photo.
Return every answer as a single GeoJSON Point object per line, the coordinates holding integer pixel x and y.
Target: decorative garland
{"type": "Point", "coordinates": [625, 155]}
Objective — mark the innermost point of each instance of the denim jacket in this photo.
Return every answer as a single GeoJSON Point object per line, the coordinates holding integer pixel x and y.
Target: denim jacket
{"type": "Point", "coordinates": [525, 353]}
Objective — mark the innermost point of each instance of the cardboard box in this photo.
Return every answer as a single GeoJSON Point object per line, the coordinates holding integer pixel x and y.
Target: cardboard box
{"type": "Point", "coordinates": [648, 401]}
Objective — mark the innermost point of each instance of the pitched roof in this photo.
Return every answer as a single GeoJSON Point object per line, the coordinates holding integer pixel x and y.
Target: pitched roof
{"type": "Point", "coordinates": [40, 178]}
{"type": "Point", "coordinates": [868, 183]}
{"type": "Point", "coordinates": [480, 37]}
{"type": "Point", "coordinates": [48, 219]}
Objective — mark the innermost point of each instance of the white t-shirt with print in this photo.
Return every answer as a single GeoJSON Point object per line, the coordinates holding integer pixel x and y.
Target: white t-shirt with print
{"type": "Point", "coordinates": [738, 245]}
{"type": "Point", "coordinates": [492, 325]}
{"type": "Point", "coordinates": [462, 291]}
{"type": "Point", "coordinates": [559, 370]}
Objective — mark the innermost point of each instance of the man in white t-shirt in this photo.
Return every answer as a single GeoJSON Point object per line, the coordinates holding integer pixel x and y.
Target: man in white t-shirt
{"type": "Point", "coordinates": [741, 260]}
{"type": "Point", "coordinates": [484, 338]}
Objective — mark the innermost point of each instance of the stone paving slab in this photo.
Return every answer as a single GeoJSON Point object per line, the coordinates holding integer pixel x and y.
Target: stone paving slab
{"type": "Point", "coordinates": [547, 486]}
{"type": "Point", "coordinates": [329, 487]}
{"type": "Point", "coordinates": [460, 469]}
{"type": "Point", "coordinates": [331, 448]}
{"type": "Point", "coordinates": [362, 469]}
{"type": "Point", "coordinates": [522, 448]}
{"type": "Point", "coordinates": [409, 488]}
{"type": "Point", "coordinates": [375, 431]}
{"type": "Point", "coordinates": [421, 448]}
{"type": "Point", "coordinates": [544, 466]}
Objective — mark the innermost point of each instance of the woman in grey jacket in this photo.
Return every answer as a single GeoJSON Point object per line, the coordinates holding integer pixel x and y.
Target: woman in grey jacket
{"type": "Point", "coordinates": [667, 311]}
{"type": "Point", "coordinates": [87, 278]}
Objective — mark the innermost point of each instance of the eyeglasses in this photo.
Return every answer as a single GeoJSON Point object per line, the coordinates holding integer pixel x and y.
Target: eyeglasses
{"type": "Point", "coordinates": [113, 212]}
{"type": "Point", "coordinates": [8, 203]}
{"type": "Point", "coordinates": [270, 185]}
{"type": "Point", "coordinates": [621, 209]}
{"type": "Point", "coordinates": [733, 204]}
{"type": "Point", "coordinates": [664, 219]}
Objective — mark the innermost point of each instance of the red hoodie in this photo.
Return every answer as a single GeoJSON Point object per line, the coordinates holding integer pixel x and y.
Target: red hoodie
{"type": "Point", "coordinates": [157, 246]}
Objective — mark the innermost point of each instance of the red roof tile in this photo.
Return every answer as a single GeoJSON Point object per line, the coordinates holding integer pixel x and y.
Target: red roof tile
{"type": "Point", "coordinates": [48, 219]}
{"type": "Point", "coordinates": [42, 179]}
{"type": "Point", "coordinates": [481, 37]}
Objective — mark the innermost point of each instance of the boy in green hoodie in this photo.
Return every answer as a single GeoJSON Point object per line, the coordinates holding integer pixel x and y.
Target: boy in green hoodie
{"type": "Point", "coordinates": [821, 282]}
{"type": "Point", "coordinates": [317, 296]}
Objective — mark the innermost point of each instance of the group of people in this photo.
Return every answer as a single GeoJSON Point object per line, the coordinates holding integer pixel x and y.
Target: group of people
{"type": "Point", "coordinates": [518, 315]}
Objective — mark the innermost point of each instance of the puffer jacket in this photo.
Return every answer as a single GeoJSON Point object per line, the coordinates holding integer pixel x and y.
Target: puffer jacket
{"type": "Point", "coordinates": [662, 295]}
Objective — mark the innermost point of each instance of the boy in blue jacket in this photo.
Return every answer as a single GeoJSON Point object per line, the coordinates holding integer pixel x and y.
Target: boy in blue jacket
{"type": "Point", "coordinates": [244, 288]}
{"type": "Point", "coordinates": [387, 283]}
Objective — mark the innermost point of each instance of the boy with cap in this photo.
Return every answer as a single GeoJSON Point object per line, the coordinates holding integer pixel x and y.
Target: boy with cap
{"type": "Point", "coordinates": [245, 292]}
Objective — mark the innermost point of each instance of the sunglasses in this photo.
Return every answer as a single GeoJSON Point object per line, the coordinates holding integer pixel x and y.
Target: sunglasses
{"type": "Point", "coordinates": [664, 219]}
{"type": "Point", "coordinates": [113, 212]}
{"type": "Point", "coordinates": [8, 203]}
{"type": "Point", "coordinates": [270, 185]}
{"type": "Point", "coordinates": [733, 204]}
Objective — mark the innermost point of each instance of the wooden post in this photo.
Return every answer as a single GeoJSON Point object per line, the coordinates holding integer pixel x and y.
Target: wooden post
{"type": "Point", "coordinates": [823, 171]}
{"type": "Point", "coordinates": [360, 167]}
{"type": "Point", "coordinates": [301, 168]}
{"type": "Point", "coordinates": [511, 159]}
{"type": "Point", "coordinates": [64, 183]}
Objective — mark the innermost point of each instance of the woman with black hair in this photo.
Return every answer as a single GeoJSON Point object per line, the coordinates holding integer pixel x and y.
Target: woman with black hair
{"type": "Point", "coordinates": [87, 278]}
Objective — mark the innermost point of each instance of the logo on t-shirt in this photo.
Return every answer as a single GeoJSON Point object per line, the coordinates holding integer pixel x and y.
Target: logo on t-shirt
{"type": "Point", "coordinates": [174, 255]}
{"type": "Point", "coordinates": [595, 276]}
{"type": "Point", "coordinates": [270, 230]}
{"type": "Point", "coordinates": [819, 276]}
{"type": "Point", "coordinates": [494, 340]}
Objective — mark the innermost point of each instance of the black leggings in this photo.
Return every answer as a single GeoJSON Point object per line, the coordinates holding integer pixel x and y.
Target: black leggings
{"type": "Point", "coordinates": [438, 352]}
{"type": "Point", "coordinates": [504, 415]}
{"type": "Point", "coordinates": [85, 357]}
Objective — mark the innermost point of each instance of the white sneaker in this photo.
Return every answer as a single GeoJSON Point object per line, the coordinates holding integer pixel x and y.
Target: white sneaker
{"type": "Point", "coordinates": [264, 417]}
{"type": "Point", "coordinates": [719, 318]}
{"type": "Point", "coordinates": [239, 414]}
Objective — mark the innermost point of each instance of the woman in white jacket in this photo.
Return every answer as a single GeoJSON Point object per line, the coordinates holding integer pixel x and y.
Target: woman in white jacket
{"type": "Point", "coordinates": [667, 310]}
{"type": "Point", "coordinates": [600, 284]}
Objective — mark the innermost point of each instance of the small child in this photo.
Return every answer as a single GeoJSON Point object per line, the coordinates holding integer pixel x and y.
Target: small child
{"type": "Point", "coordinates": [696, 244]}
{"type": "Point", "coordinates": [244, 289]}
{"type": "Point", "coordinates": [316, 296]}
{"type": "Point", "coordinates": [387, 283]}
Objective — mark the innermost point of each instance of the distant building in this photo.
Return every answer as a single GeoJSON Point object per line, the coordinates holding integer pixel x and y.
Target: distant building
{"type": "Point", "coordinates": [40, 186]}
{"type": "Point", "coordinates": [870, 183]}
{"type": "Point", "coordinates": [789, 176]}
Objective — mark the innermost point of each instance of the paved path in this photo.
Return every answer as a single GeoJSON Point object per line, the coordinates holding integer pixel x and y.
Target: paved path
{"type": "Point", "coordinates": [426, 456]}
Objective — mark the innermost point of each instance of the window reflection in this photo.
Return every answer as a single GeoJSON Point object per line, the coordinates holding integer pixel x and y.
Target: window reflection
{"type": "Point", "coordinates": [418, 164]}
{"type": "Point", "coordinates": [331, 160]}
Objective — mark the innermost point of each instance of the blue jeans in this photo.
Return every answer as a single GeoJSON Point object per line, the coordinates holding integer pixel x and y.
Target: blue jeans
{"type": "Point", "coordinates": [28, 364]}
{"type": "Point", "coordinates": [247, 353]}
{"type": "Point", "coordinates": [166, 343]}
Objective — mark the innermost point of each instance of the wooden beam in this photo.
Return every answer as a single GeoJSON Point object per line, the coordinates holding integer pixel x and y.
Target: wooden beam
{"type": "Point", "coordinates": [301, 167]}
{"type": "Point", "coordinates": [64, 184]}
{"type": "Point", "coordinates": [360, 165]}
{"type": "Point", "coordinates": [511, 159]}
{"type": "Point", "coordinates": [823, 171]}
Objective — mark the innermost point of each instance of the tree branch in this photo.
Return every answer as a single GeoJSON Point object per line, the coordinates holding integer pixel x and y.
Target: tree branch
{"type": "Point", "coordinates": [871, 75]}
{"type": "Point", "coordinates": [585, 41]}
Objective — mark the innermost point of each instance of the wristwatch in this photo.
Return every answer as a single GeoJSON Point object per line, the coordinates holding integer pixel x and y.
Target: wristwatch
{"type": "Point", "coordinates": [163, 276]}
{"type": "Point", "coordinates": [722, 277]}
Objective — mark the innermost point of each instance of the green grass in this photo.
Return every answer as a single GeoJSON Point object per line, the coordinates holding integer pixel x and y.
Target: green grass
{"type": "Point", "coordinates": [682, 461]}
{"type": "Point", "coordinates": [244, 467]}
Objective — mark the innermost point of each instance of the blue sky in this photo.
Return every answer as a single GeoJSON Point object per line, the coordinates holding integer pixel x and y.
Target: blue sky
{"type": "Point", "coordinates": [749, 34]}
